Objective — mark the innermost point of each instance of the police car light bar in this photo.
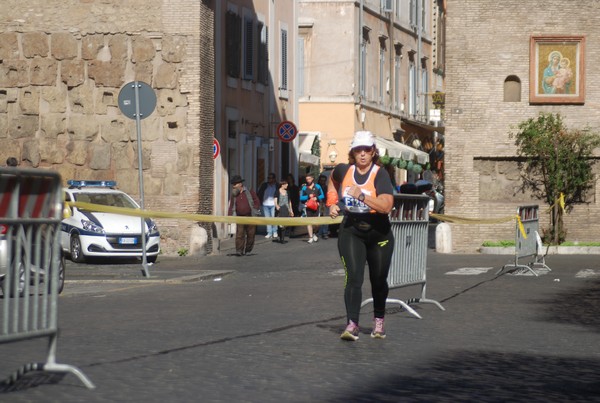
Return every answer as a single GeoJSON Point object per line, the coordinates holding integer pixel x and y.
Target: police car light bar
{"type": "Point", "coordinates": [79, 183]}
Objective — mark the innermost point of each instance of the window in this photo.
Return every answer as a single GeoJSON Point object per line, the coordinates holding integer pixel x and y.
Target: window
{"type": "Point", "coordinates": [413, 14]}
{"type": "Point", "coordinates": [424, 107]}
{"type": "Point", "coordinates": [512, 89]}
{"type": "Point", "coordinates": [248, 48]}
{"type": "Point", "coordinates": [283, 84]}
{"type": "Point", "coordinates": [440, 44]}
{"type": "Point", "coordinates": [362, 79]}
{"type": "Point", "coordinates": [386, 6]}
{"type": "Point", "coordinates": [397, 74]}
{"type": "Point", "coordinates": [382, 85]}
{"type": "Point", "coordinates": [423, 16]}
{"type": "Point", "coordinates": [263, 54]}
{"type": "Point", "coordinates": [412, 89]}
{"type": "Point", "coordinates": [301, 67]}
{"type": "Point", "coordinates": [233, 33]}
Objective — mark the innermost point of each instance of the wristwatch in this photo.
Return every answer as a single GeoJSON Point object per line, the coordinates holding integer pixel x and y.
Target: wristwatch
{"type": "Point", "coordinates": [361, 197]}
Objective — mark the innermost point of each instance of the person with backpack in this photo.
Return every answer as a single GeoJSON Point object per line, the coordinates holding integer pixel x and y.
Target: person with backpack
{"type": "Point", "coordinates": [311, 195]}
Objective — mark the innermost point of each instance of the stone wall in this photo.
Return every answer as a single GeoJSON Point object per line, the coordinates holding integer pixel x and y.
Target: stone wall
{"type": "Point", "coordinates": [62, 65]}
{"type": "Point", "coordinates": [488, 41]}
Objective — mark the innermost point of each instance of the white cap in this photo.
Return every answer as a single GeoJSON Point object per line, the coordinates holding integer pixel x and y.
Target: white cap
{"type": "Point", "coordinates": [363, 138]}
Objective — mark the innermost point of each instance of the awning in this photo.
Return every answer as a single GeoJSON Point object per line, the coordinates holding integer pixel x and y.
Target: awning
{"type": "Point", "coordinates": [395, 149]}
{"type": "Point", "coordinates": [305, 145]}
{"type": "Point", "coordinates": [308, 158]}
{"type": "Point", "coordinates": [439, 129]}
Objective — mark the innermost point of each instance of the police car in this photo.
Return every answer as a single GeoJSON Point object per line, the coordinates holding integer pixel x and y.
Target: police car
{"type": "Point", "coordinates": [88, 234]}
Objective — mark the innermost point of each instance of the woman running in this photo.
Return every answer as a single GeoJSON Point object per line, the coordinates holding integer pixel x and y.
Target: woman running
{"type": "Point", "coordinates": [363, 193]}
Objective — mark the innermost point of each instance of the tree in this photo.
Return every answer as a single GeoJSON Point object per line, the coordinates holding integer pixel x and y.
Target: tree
{"type": "Point", "coordinates": [556, 166]}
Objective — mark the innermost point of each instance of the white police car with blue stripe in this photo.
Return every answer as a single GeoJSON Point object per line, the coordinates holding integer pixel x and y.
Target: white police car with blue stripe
{"type": "Point", "coordinates": [88, 234]}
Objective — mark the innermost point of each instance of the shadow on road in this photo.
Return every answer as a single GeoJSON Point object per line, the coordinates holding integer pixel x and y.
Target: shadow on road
{"type": "Point", "coordinates": [468, 376]}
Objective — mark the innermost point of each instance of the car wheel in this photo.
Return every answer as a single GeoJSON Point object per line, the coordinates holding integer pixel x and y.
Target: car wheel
{"type": "Point", "coordinates": [151, 259]}
{"type": "Point", "coordinates": [61, 275]}
{"type": "Point", "coordinates": [21, 283]}
{"type": "Point", "coordinates": [75, 249]}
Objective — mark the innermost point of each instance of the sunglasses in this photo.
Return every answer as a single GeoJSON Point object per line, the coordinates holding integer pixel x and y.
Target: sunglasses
{"type": "Point", "coordinates": [360, 149]}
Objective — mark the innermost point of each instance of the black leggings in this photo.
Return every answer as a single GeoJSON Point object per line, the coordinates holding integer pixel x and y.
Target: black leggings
{"type": "Point", "coordinates": [356, 248]}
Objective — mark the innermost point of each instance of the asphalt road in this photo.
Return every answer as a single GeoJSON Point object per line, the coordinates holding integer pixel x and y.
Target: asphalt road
{"type": "Point", "coordinates": [265, 328]}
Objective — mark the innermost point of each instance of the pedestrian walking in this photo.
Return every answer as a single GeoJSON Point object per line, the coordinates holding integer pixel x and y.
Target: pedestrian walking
{"type": "Point", "coordinates": [241, 203]}
{"type": "Point", "coordinates": [323, 229]}
{"type": "Point", "coordinates": [266, 195]}
{"type": "Point", "coordinates": [311, 195]}
{"type": "Point", "coordinates": [294, 192]}
{"type": "Point", "coordinates": [283, 205]}
{"type": "Point", "coordinates": [363, 193]}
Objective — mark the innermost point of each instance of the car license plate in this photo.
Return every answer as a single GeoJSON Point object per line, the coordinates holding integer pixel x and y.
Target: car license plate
{"type": "Point", "coordinates": [127, 241]}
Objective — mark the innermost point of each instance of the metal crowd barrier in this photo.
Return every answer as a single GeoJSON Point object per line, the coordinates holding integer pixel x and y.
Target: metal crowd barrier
{"type": "Point", "coordinates": [31, 211]}
{"type": "Point", "coordinates": [529, 244]}
{"type": "Point", "coordinates": [410, 223]}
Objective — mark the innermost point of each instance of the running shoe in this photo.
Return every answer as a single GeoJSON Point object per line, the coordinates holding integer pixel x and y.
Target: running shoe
{"type": "Point", "coordinates": [311, 240]}
{"type": "Point", "coordinates": [378, 329]}
{"type": "Point", "coordinates": [315, 238]}
{"type": "Point", "coordinates": [268, 236]}
{"type": "Point", "coordinates": [351, 332]}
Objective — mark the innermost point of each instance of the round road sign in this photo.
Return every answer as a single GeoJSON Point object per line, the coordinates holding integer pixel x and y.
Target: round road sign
{"type": "Point", "coordinates": [286, 131]}
{"type": "Point", "coordinates": [216, 148]}
{"type": "Point", "coordinates": [145, 99]}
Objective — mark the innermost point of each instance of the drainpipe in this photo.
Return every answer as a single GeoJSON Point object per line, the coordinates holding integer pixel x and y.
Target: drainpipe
{"type": "Point", "coordinates": [418, 69]}
{"type": "Point", "coordinates": [360, 60]}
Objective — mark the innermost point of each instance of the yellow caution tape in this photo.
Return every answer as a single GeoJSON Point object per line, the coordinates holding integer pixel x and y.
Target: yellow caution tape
{"type": "Point", "coordinates": [284, 221]}
{"type": "Point", "coordinates": [462, 220]}
{"type": "Point", "coordinates": [560, 201]}
{"type": "Point", "coordinates": [521, 227]}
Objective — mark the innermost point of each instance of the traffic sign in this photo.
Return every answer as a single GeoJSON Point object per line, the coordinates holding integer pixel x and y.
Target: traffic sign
{"type": "Point", "coordinates": [286, 131]}
{"type": "Point", "coordinates": [216, 148]}
{"type": "Point", "coordinates": [137, 100]}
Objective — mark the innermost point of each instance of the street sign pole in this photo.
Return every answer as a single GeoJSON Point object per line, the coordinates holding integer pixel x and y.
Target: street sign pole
{"type": "Point", "coordinates": [144, 102]}
{"type": "Point", "coordinates": [138, 124]}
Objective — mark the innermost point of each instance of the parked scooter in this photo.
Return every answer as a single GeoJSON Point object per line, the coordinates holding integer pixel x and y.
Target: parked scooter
{"type": "Point", "coordinates": [436, 199]}
{"type": "Point", "coordinates": [436, 202]}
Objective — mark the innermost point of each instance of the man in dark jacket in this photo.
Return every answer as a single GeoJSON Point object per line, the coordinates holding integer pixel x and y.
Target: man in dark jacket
{"type": "Point", "coordinates": [240, 205]}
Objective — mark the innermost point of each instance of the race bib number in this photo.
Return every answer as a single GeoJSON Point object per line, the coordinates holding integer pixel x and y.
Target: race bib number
{"type": "Point", "coordinates": [354, 205]}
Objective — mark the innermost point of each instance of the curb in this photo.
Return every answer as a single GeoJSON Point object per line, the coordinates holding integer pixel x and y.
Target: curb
{"type": "Point", "coordinates": [202, 276]}
{"type": "Point", "coordinates": [552, 250]}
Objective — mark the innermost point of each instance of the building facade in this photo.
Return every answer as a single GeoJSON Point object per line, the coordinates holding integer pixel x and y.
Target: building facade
{"type": "Point", "coordinates": [221, 70]}
{"type": "Point", "coordinates": [490, 89]}
{"type": "Point", "coordinates": [371, 65]}
{"type": "Point", "coordinates": [63, 63]}
{"type": "Point", "coordinates": [255, 93]}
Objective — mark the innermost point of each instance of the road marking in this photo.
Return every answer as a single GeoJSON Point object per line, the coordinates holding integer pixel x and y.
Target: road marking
{"type": "Point", "coordinates": [469, 271]}
{"type": "Point", "coordinates": [587, 273]}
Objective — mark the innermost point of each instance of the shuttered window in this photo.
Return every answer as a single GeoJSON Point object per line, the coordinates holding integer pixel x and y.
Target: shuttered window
{"type": "Point", "coordinates": [283, 85]}
{"type": "Point", "coordinates": [233, 31]}
{"type": "Point", "coordinates": [248, 48]}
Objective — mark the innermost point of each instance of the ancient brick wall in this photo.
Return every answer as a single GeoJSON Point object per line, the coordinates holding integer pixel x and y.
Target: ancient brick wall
{"type": "Point", "coordinates": [63, 63]}
{"type": "Point", "coordinates": [488, 41]}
